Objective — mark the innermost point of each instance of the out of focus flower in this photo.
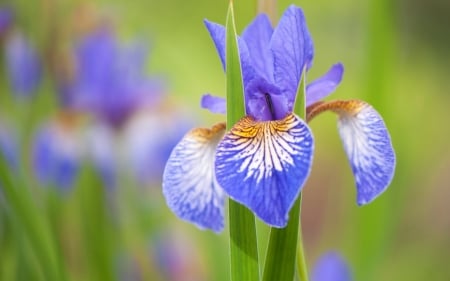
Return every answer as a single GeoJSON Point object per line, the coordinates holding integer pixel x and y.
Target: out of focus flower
{"type": "Point", "coordinates": [148, 140]}
{"type": "Point", "coordinates": [109, 79]}
{"type": "Point", "coordinates": [265, 159]}
{"type": "Point", "coordinates": [6, 18]}
{"type": "Point", "coordinates": [56, 153]}
{"type": "Point", "coordinates": [23, 65]}
{"type": "Point", "coordinates": [331, 267]}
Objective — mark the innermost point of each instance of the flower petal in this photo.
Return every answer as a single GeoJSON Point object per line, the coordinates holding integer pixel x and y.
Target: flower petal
{"type": "Point", "coordinates": [292, 49]}
{"type": "Point", "coordinates": [189, 183]}
{"type": "Point", "coordinates": [214, 104]}
{"type": "Point", "coordinates": [24, 65]}
{"type": "Point", "coordinates": [367, 143]}
{"type": "Point", "coordinates": [325, 85]}
{"type": "Point", "coordinates": [331, 267]}
{"type": "Point", "coordinates": [264, 165]}
{"type": "Point", "coordinates": [56, 156]}
{"type": "Point", "coordinates": [257, 37]}
{"type": "Point", "coordinates": [217, 33]}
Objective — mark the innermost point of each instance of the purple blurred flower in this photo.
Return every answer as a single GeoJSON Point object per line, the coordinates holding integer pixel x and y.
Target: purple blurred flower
{"type": "Point", "coordinates": [56, 154]}
{"type": "Point", "coordinates": [109, 80]}
{"type": "Point", "coordinates": [6, 18]}
{"type": "Point", "coordinates": [265, 159]}
{"type": "Point", "coordinates": [23, 65]}
{"type": "Point", "coordinates": [331, 267]}
{"type": "Point", "coordinates": [147, 151]}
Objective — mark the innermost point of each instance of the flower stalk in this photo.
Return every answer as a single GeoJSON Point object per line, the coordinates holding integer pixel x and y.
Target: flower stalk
{"type": "Point", "coordinates": [243, 244]}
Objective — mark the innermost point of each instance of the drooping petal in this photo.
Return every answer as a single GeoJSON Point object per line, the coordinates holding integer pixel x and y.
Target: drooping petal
{"type": "Point", "coordinates": [367, 143]}
{"type": "Point", "coordinates": [325, 85]}
{"type": "Point", "coordinates": [217, 33]}
{"type": "Point", "coordinates": [214, 104]}
{"type": "Point", "coordinates": [257, 37]}
{"type": "Point", "coordinates": [264, 165]}
{"type": "Point", "coordinates": [331, 267]}
{"type": "Point", "coordinates": [189, 183]}
{"type": "Point", "coordinates": [292, 49]}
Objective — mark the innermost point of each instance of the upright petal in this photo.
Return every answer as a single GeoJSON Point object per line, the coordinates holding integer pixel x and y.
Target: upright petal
{"type": "Point", "coordinates": [214, 104]}
{"type": "Point", "coordinates": [325, 85]}
{"type": "Point", "coordinates": [367, 143]}
{"type": "Point", "coordinates": [217, 33]}
{"type": "Point", "coordinates": [24, 65]}
{"type": "Point", "coordinates": [189, 182]}
{"type": "Point", "coordinates": [331, 267]}
{"type": "Point", "coordinates": [292, 49]}
{"type": "Point", "coordinates": [257, 37]}
{"type": "Point", "coordinates": [264, 165]}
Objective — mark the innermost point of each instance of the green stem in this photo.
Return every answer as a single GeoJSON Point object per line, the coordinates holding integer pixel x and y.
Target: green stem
{"type": "Point", "coordinates": [243, 246]}
{"type": "Point", "coordinates": [302, 269]}
{"type": "Point", "coordinates": [243, 243]}
{"type": "Point", "coordinates": [280, 256]}
{"type": "Point", "coordinates": [37, 229]}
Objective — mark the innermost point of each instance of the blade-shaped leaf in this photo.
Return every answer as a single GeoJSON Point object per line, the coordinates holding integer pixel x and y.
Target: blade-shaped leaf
{"type": "Point", "coordinates": [243, 244]}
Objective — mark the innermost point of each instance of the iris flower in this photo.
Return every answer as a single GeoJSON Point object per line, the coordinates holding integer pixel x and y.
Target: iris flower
{"type": "Point", "coordinates": [265, 159]}
{"type": "Point", "coordinates": [331, 267]}
{"type": "Point", "coordinates": [23, 65]}
{"type": "Point", "coordinates": [110, 80]}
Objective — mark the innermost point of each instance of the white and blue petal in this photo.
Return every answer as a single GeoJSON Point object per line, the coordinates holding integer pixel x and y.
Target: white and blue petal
{"type": "Point", "coordinates": [367, 144]}
{"type": "Point", "coordinates": [189, 182]}
{"type": "Point", "coordinates": [264, 165]}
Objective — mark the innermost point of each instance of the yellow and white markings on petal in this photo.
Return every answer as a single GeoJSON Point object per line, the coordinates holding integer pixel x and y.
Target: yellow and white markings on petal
{"type": "Point", "coordinates": [189, 182]}
{"type": "Point", "coordinates": [367, 144]}
{"type": "Point", "coordinates": [264, 165]}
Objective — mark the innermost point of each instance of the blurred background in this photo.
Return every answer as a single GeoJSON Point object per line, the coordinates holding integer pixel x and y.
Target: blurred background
{"type": "Point", "coordinates": [94, 95]}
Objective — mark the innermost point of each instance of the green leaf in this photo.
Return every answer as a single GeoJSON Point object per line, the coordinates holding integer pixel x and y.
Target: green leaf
{"type": "Point", "coordinates": [300, 100]}
{"type": "Point", "coordinates": [282, 250]}
{"type": "Point", "coordinates": [30, 221]}
{"type": "Point", "coordinates": [243, 243]}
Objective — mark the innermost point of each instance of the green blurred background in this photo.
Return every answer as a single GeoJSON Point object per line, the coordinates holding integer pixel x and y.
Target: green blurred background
{"type": "Point", "coordinates": [396, 57]}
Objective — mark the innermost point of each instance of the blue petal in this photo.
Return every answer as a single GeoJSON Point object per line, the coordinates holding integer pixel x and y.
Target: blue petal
{"type": "Point", "coordinates": [56, 156]}
{"type": "Point", "coordinates": [189, 183]}
{"type": "Point", "coordinates": [292, 49]}
{"type": "Point", "coordinates": [257, 37]}
{"type": "Point", "coordinates": [24, 65]}
{"type": "Point", "coordinates": [217, 33]}
{"type": "Point", "coordinates": [214, 104]}
{"type": "Point", "coordinates": [331, 267]}
{"type": "Point", "coordinates": [368, 146]}
{"type": "Point", "coordinates": [325, 85]}
{"type": "Point", "coordinates": [264, 165]}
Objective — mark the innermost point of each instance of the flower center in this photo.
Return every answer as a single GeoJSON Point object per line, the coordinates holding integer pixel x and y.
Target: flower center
{"type": "Point", "coordinates": [270, 105]}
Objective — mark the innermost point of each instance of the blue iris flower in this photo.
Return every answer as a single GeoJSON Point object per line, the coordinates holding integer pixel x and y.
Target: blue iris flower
{"type": "Point", "coordinates": [110, 80]}
{"type": "Point", "coordinates": [24, 65]}
{"type": "Point", "coordinates": [265, 159]}
{"type": "Point", "coordinates": [56, 152]}
{"type": "Point", "coordinates": [331, 267]}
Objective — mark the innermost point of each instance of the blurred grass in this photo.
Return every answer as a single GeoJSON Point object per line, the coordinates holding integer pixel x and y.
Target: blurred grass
{"type": "Point", "coordinates": [403, 235]}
